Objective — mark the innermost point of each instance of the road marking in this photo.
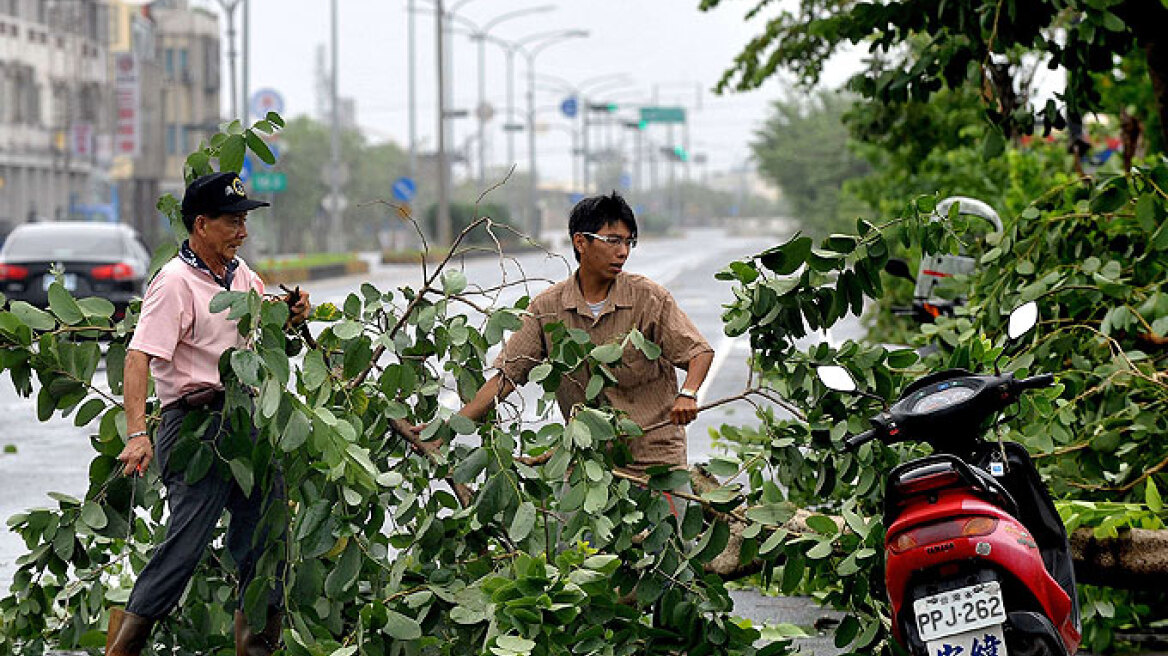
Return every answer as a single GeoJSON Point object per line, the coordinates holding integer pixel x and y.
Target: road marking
{"type": "Point", "coordinates": [721, 355]}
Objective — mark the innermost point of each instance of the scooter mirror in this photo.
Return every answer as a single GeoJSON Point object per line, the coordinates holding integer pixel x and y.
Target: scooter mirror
{"type": "Point", "coordinates": [836, 378]}
{"type": "Point", "coordinates": [899, 269]}
{"type": "Point", "coordinates": [1022, 319]}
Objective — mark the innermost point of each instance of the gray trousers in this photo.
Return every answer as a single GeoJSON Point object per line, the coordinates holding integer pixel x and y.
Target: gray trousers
{"type": "Point", "coordinates": [194, 512]}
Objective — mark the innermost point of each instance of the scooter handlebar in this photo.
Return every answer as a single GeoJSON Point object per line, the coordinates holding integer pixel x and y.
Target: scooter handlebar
{"type": "Point", "coordinates": [1035, 382]}
{"type": "Point", "coordinates": [853, 442]}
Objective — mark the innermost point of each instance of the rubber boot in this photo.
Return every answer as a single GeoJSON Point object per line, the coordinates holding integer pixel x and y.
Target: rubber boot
{"type": "Point", "coordinates": [258, 644]}
{"type": "Point", "coordinates": [128, 633]}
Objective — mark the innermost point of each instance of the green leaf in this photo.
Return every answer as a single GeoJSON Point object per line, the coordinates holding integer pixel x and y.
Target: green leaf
{"type": "Point", "coordinates": [453, 282]}
{"type": "Point", "coordinates": [88, 412]}
{"type": "Point", "coordinates": [64, 306]}
{"type": "Point", "coordinates": [258, 147]}
{"type": "Point", "coordinates": [247, 364]}
{"type": "Point", "coordinates": [1152, 497]}
{"type": "Point", "coordinates": [401, 627]}
{"type": "Point", "coordinates": [241, 471]}
{"type": "Point", "coordinates": [822, 525]}
{"type": "Point", "coordinates": [523, 521]}
{"type": "Point", "coordinates": [231, 153]}
{"type": "Point", "coordinates": [608, 353]}
{"type": "Point", "coordinates": [314, 372]}
{"type": "Point", "coordinates": [1146, 214]}
{"type": "Point", "coordinates": [471, 466]}
{"type": "Point", "coordinates": [295, 432]}
{"type": "Point", "coordinates": [462, 425]}
{"type": "Point", "coordinates": [345, 575]}
{"type": "Point", "coordinates": [994, 144]}
{"type": "Point", "coordinates": [32, 317]}
{"type": "Point", "coordinates": [594, 388]}
{"type": "Point", "coordinates": [788, 257]}
{"type": "Point", "coordinates": [347, 329]}
{"type": "Point", "coordinates": [773, 514]}
{"type": "Point", "coordinates": [93, 516]}
{"type": "Point", "coordinates": [822, 549]}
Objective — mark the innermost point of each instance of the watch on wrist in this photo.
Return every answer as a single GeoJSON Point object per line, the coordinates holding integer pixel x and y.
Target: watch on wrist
{"type": "Point", "coordinates": [688, 393]}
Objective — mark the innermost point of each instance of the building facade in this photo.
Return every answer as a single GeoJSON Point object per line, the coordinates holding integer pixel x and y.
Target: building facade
{"type": "Point", "coordinates": [55, 121]}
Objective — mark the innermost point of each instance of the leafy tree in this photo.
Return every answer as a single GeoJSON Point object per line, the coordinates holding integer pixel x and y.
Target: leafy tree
{"type": "Point", "coordinates": [803, 148]}
{"type": "Point", "coordinates": [976, 44]}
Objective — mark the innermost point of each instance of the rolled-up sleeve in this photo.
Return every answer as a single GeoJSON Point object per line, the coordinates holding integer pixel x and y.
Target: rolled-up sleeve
{"type": "Point", "coordinates": [524, 349]}
{"type": "Point", "coordinates": [680, 339]}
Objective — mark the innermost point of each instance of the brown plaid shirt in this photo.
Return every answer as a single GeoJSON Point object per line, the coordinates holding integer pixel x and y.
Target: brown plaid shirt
{"type": "Point", "coordinates": [646, 389]}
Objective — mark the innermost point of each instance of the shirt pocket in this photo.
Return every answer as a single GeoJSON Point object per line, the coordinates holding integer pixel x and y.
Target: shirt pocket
{"type": "Point", "coordinates": [635, 369]}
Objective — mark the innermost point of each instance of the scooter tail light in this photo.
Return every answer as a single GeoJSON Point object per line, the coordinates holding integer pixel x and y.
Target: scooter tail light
{"type": "Point", "coordinates": [949, 529]}
{"type": "Point", "coordinates": [13, 272]}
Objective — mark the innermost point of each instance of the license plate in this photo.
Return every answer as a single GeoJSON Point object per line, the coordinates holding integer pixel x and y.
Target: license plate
{"type": "Point", "coordinates": [960, 611]}
{"type": "Point", "coordinates": [68, 281]}
{"type": "Point", "coordinates": [987, 641]}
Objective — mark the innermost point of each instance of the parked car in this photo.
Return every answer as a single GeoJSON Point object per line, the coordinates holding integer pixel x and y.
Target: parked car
{"type": "Point", "coordinates": [96, 259]}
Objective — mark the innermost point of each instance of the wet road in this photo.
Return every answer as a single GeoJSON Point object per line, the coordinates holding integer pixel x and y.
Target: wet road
{"type": "Point", "coordinates": [55, 455]}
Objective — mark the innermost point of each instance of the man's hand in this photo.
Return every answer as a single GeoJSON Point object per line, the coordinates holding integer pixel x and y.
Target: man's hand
{"type": "Point", "coordinates": [298, 305]}
{"type": "Point", "coordinates": [137, 455]}
{"type": "Point", "coordinates": [430, 447]}
{"type": "Point", "coordinates": [684, 411]}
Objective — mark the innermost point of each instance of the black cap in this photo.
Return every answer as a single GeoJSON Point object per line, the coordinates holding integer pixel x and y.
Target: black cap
{"type": "Point", "coordinates": [218, 193]}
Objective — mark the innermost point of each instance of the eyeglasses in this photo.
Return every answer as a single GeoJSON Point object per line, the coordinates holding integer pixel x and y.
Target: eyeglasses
{"type": "Point", "coordinates": [613, 240]}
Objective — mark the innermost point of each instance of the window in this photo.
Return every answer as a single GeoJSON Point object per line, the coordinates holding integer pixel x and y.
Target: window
{"type": "Point", "coordinates": [170, 62]}
{"type": "Point", "coordinates": [171, 139]}
{"type": "Point", "coordinates": [183, 67]}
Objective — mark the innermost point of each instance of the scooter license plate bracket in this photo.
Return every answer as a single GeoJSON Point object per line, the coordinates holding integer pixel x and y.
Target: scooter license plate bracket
{"type": "Point", "coordinates": [961, 611]}
{"type": "Point", "coordinates": [986, 641]}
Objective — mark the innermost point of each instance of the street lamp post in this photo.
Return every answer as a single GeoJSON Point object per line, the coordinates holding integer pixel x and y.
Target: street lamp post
{"type": "Point", "coordinates": [228, 7]}
{"type": "Point", "coordinates": [542, 42]}
{"type": "Point", "coordinates": [481, 35]}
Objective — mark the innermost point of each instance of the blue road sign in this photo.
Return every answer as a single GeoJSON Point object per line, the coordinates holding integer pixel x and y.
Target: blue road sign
{"type": "Point", "coordinates": [266, 100]}
{"type": "Point", "coordinates": [570, 106]}
{"type": "Point", "coordinates": [626, 180]}
{"type": "Point", "coordinates": [404, 189]}
{"type": "Point", "coordinates": [575, 198]}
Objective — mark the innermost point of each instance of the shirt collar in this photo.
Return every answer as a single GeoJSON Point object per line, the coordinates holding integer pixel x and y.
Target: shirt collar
{"type": "Point", "coordinates": [188, 255]}
{"type": "Point", "coordinates": [619, 295]}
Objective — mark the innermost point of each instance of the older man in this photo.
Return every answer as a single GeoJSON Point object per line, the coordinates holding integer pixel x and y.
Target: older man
{"type": "Point", "coordinates": [179, 341]}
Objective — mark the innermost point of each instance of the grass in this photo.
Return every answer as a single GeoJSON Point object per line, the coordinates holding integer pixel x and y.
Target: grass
{"type": "Point", "coordinates": [306, 260]}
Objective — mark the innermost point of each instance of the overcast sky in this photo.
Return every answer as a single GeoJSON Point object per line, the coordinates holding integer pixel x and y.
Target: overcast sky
{"type": "Point", "coordinates": [667, 45]}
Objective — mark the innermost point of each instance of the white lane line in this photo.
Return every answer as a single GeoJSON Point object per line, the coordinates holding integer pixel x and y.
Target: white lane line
{"type": "Point", "coordinates": [721, 355]}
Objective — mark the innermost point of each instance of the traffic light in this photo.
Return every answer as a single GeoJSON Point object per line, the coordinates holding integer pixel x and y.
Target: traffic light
{"type": "Point", "coordinates": [675, 153]}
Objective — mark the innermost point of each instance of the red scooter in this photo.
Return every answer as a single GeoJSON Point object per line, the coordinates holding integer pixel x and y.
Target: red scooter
{"type": "Point", "coordinates": [977, 561]}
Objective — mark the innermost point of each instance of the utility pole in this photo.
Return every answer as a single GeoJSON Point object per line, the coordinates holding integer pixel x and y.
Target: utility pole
{"type": "Point", "coordinates": [443, 230]}
{"type": "Point", "coordinates": [228, 7]}
{"type": "Point", "coordinates": [336, 208]}
{"type": "Point", "coordinates": [246, 109]}
{"type": "Point", "coordinates": [411, 39]}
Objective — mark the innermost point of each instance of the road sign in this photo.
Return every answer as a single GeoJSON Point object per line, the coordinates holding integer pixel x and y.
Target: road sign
{"type": "Point", "coordinates": [266, 100]}
{"type": "Point", "coordinates": [334, 203]}
{"type": "Point", "coordinates": [514, 127]}
{"type": "Point", "coordinates": [663, 114]}
{"type": "Point", "coordinates": [404, 189]}
{"type": "Point", "coordinates": [245, 170]}
{"type": "Point", "coordinates": [626, 180]}
{"type": "Point", "coordinates": [570, 106]}
{"type": "Point", "coordinates": [269, 182]}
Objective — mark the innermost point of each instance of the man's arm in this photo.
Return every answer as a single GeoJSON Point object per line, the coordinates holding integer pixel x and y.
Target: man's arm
{"type": "Point", "coordinates": [138, 451]}
{"type": "Point", "coordinates": [685, 409]}
{"type": "Point", "coordinates": [494, 390]}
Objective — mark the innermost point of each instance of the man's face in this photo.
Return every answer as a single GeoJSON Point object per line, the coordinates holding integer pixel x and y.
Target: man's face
{"type": "Point", "coordinates": [224, 234]}
{"type": "Point", "coordinates": [600, 258]}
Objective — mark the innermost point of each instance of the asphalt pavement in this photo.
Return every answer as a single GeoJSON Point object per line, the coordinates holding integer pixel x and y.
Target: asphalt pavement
{"type": "Point", "coordinates": [54, 456]}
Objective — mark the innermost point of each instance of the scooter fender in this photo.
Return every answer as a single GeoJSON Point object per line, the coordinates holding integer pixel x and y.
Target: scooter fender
{"type": "Point", "coordinates": [1009, 547]}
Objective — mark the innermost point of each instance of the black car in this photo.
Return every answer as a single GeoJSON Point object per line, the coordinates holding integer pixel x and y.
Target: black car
{"type": "Point", "coordinates": [96, 259]}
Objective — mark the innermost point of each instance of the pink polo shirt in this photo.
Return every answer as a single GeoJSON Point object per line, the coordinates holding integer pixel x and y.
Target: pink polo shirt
{"type": "Point", "coordinates": [179, 331]}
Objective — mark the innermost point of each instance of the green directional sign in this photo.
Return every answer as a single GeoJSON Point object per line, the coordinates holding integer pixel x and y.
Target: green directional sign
{"type": "Point", "coordinates": [268, 182]}
{"type": "Point", "coordinates": [663, 115]}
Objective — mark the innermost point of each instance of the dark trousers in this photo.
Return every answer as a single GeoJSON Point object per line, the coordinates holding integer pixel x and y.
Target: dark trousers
{"type": "Point", "coordinates": [194, 512]}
